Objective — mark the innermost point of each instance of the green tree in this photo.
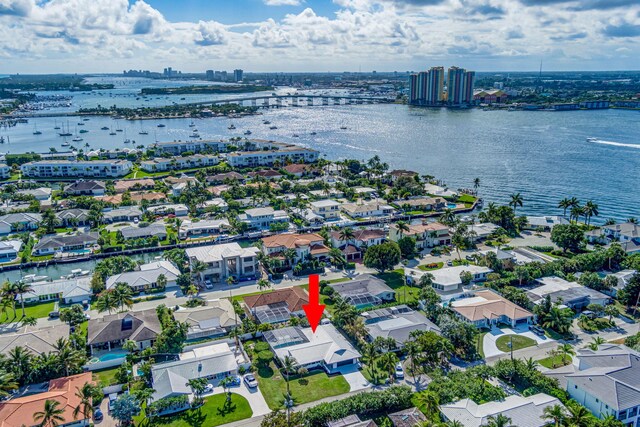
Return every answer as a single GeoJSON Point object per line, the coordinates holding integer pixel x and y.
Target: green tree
{"type": "Point", "coordinates": [429, 403]}
{"type": "Point", "coordinates": [7, 383]}
{"type": "Point", "coordinates": [123, 294]}
{"type": "Point", "coordinates": [22, 288]}
{"type": "Point", "coordinates": [498, 421]}
{"type": "Point", "coordinates": [516, 200]}
{"type": "Point", "coordinates": [407, 247]}
{"type": "Point", "coordinates": [85, 395]}
{"type": "Point", "coordinates": [51, 415]}
{"type": "Point", "coordinates": [567, 237]}
{"type": "Point", "coordinates": [124, 408]}
{"type": "Point", "coordinates": [382, 257]}
{"type": "Point", "coordinates": [106, 301]}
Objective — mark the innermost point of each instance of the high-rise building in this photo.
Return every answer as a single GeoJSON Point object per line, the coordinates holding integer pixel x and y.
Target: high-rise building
{"type": "Point", "coordinates": [467, 87]}
{"type": "Point", "coordinates": [210, 74]}
{"type": "Point", "coordinates": [237, 75]}
{"type": "Point", "coordinates": [435, 86]}
{"type": "Point", "coordinates": [413, 89]}
{"type": "Point", "coordinates": [460, 86]}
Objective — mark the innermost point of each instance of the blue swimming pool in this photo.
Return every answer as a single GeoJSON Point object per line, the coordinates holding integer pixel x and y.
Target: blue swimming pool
{"type": "Point", "coordinates": [112, 355]}
{"type": "Point", "coordinates": [451, 205]}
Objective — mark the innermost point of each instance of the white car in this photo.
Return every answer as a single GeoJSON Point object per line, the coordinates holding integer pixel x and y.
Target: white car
{"type": "Point", "coordinates": [250, 381]}
{"type": "Point", "coordinates": [208, 284]}
{"type": "Point", "coordinates": [208, 388]}
{"type": "Point", "coordinates": [399, 371]}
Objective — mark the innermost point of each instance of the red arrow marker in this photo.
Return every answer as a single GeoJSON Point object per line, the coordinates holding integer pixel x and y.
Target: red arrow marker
{"type": "Point", "coordinates": [314, 309]}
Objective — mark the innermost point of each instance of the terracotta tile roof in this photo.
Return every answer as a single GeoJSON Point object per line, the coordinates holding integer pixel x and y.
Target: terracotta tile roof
{"type": "Point", "coordinates": [362, 235]}
{"type": "Point", "coordinates": [19, 412]}
{"type": "Point", "coordinates": [124, 185]}
{"type": "Point", "coordinates": [292, 241]}
{"type": "Point", "coordinates": [295, 298]}
{"type": "Point", "coordinates": [488, 305]}
{"type": "Point", "coordinates": [296, 168]}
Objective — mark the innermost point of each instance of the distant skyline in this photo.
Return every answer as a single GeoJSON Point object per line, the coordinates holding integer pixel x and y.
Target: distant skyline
{"type": "Point", "coordinates": [108, 36]}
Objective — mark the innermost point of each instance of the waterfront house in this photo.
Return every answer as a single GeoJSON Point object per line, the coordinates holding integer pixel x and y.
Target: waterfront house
{"type": "Point", "coordinates": [570, 294]}
{"type": "Point", "coordinates": [482, 230]}
{"type": "Point", "coordinates": [396, 322]}
{"type": "Point", "coordinates": [278, 305]}
{"type": "Point", "coordinates": [522, 411]}
{"type": "Point", "coordinates": [76, 243]}
{"type": "Point", "coordinates": [125, 213]}
{"type": "Point", "coordinates": [605, 381]}
{"type": "Point", "coordinates": [427, 235]}
{"type": "Point", "coordinates": [304, 245]}
{"type": "Point", "coordinates": [396, 174]}
{"type": "Point", "coordinates": [627, 233]}
{"type": "Point", "coordinates": [9, 250]}
{"type": "Point", "coordinates": [226, 260]}
{"type": "Point", "coordinates": [66, 291]}
{"type": "Point", "coordinates": [422, 204]}
{"type": "Point", "coordinates": [486, 309]}
{"type": "Point", "coordinates": [73, 217]}
{"type": "Point", "coordinates": [327, 209]}
{"type": "Point", "coordinates": [436, 190]}
{"type": "Point", "coordinates": [297, 170]}
{"type": "Point", "coordinates": [307, 215]}
{"type": "Point", "coordinates": [203, 228]}
{"type": "Point", "coordinates": [364, 291]}
{"type": "Point", "coordinates": [263, 218]}
{"type": "Point", "coordinates": [152, 230]}
{"type": "Point", "coordinates": [371, 209]}
{"type": "Point", "coordinates": [111, 331]}
{"type": "Point", "coordinates": [146, 277]}
{"type": "Point", "coordinates": [19, 411]}
{"type": "Point", "coordinates": [216, 318]}
{"type": "Point", "coordinates": [75, 169]}
{"type": "Point", "coordinates": [545, 223]}
{"type": "Point", "coordinates": [362, 238]}
{"type": "Point", "coordinates": [22, 221]}
{"type": "Point", "coordinates": [326, 348]}
{"type": "Point", "coordinates": [124, 185]}
{"type": "Point", "coordinates": [42, 194]}
{"type": "Point", "coordinates": [171, 209]}
{"type": "Point", "coordinates": [35, 340]}
{"type": "Point", "coordinates": [85, 188]}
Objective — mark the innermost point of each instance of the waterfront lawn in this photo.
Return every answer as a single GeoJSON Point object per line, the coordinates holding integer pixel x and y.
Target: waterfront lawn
{"type": "Point", "coordinates": [37, 310]}
{"type": "Point", "coordinates": [309, 388]}
{"type": "Point", "coordinates": [553, 362]}
{"type": "Point", "coordinates": [214, 412]}
{"type": "Point", "coordinates": [519, 342]}
{"type": "Point", "coordinates": [466, 198]}
{"type": "Point", "coordinates": [105, 377]}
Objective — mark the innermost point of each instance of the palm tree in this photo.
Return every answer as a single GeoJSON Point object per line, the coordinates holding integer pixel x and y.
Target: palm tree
{"type": "Point", "coordinates": [123, 294]}
{"type": "Point", "coordinates": [336, 257]}
{"type": "Point", "coordinates": [564, 204]}
{"type": "Point", "coordinates": [7, 383]}
{"type": "Point", "coordinates": [369, 355]}
{"type": "Point", "coordinates": [70, 359]}
{"type": "Point", "coordinates": [198, 386]}
{"type": "Point", "coordinates": [22, 288]}
{"type": "Point", "coordinates": [429, 403]}
{"type": "Point", "coordinates": [388, 362]}
{"type": "Point", "coordinates": [611, 311]}
{"type": "Point", "coordinates": [106, 302]}
{"type": "Point", "coordinates": [454, 423]}
{"type": "Point", "coordinates": [51, 415]}
{"type": "Point", "coordinates": [20, 360]}
{"type": "Point", "coordinates": [566, 350]}
{"type": "Point", "coordinates": [576, 212]}
{"type": "Point", "coordinates": [289, 254]}
{"type": "Point", "coordinates": [29, 321]}
{"type": "Point", "coordinates": [498, 421]}
{"type": "Point", "coordinates": [356, 328]}
{"type": "Point", "coordinates": [516, 200]}
{"type": "Point", "coordinates": [531, 364]}
{"type": "Point", "coordinates": [555, 413]}
{"type": "Point", "coordinates": [578, 415]}
{"type": "Point", "coordinates": [197, 267]}
{"type": "Point", "coordinates": [263, 284]}
{"type": "Point", "coordinates": [9, 291]}
{"type": "Point", "coordinates": [288, 364]}
{"type": "Point", "coordinates": [402, 227]}
{"type": "Point", "coordinates": [347, 234]}
{"type": "Point", "coordinates": [476, 184]}
{"type": "Point", "coordinates": [590, 209]}
{"type": "Point", "coordinates": [85, 401]}
{"type": "Point", "coordinates": [448, 217]}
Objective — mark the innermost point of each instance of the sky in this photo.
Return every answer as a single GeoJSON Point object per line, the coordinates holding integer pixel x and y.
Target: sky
{"type": "Point", "coordinates": [107, 36]}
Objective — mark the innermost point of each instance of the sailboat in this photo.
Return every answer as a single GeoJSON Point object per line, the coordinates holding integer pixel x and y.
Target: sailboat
{"type": "Point", "coordinates": [35, 129]}
{"type": "Point", "coordinates": [142, 131]}
{"type": "Point", "coordinates": [112, 132]}
{"type": "Point", "coordinates": [191, 124]}
{"type": "Point", "coordinates": [55, 125]}
{"type": "Point", "coordinates": [67, 132]}
{"type": "Point", "coordinates": [118, 128]}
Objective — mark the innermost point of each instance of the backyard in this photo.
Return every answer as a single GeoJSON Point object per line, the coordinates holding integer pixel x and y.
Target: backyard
{"type": "Point", "coordinates": [214, 412]}
{"type": "Point", "coordinates": [556, 361]}
{"type": "Point", "coordinates": [308, 388]}
{"type": "Point", "coordinates": [105, 377]}
{"type": "Point", "coordinates": [35, 310]}
{"type": "Point", "coordinates": [519, 342]}
{"type": "Point", "coordinates": [395, 280]}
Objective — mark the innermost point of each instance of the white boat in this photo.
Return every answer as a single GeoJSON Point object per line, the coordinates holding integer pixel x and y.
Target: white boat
{"type": "Point", "coordinates": [77, 139]}
{"type": "Point", "coordinates": [191, 124]}
{"type": "Point", "coordinates": [77, 273]}
{"type": "Point", "coordinates": [231, 127]}
{"type": "Point", "coordinates": [65, 144]}
{"type": "Point", "coordinates": [591, 139]}
{"type": "Point", "coordinates": [30, 278]}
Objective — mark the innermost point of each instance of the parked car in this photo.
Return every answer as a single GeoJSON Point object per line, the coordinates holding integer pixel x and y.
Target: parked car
{"type": "Point", "coordinates": [235, 381]}
{"type": "Point", "coordinates": [399, 371]}
{"type": "Point", "coordinates": [208, 284]}
{"type": "Point", "coordinates": [470, 258]}
{"type": "Point", "coordinates": [536, 330]}
{"type": "Point", "coordinates": [449, 263]}
{"type": "Point", "coordinates": [250, 381]}
{"type": "Point", "coordinates": [208, 388]}
{"type": "Point", "coordinates": [97, 415]}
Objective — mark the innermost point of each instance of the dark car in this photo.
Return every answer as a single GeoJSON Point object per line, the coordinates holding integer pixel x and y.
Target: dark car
{"type": "Point", "coordinates": [97, 415]}
{"type": "Point", "coordinates": [536, 330]}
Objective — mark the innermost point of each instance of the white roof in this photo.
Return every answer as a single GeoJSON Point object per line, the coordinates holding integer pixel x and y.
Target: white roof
{"type": "Point", "coordinates": [10, 246]}
{"type": "Point", "coordinates": [147, 275]}
{"type": "Point", "coordinates": [214, 253]}
{"type": "Point", "coordinates": [324, 203]}
{"type": "Point", "coordinates": [67, 287]}
{"type": "Point", "coordinates": [451, 275]}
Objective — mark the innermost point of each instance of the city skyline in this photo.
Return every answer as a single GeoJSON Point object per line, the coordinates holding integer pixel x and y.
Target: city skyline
{"type": "Point", "coordinates": [317, 35]}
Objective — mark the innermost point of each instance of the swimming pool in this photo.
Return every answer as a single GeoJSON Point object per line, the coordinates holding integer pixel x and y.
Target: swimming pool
{"type": "Point", "coordinates": [112, 355]}
{"type": "Point", "coordinates": [451, 205]}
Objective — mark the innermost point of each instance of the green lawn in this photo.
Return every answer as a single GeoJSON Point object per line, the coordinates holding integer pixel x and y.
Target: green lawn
{"type": "Point", "coordinates": [395, 280]}
{"type": "Point", "coordinates": [519, 342]}
{"type": "Point", "coordinates": [37, 311]}
{"type": "Point", "coordinates": [374, 374]}
{"type": "Point", "coordinates": [214, 412]}
{"type": "Point", "coordinates": [309, 388]}
{"type": "Point", "coordinates": [466, 198]}
{"type": "Point", "coordinates": [597, 324]}
{"type": "Point", "coordinates": [426, 268]}
{"type": "Point", "coordinates": [480, 343]}
{"type": "Point", "coordinates": [553, 362]}
{"type": "Point", "coordinates": [105, 377]}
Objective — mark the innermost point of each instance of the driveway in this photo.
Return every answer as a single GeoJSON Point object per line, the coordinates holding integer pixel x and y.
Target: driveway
{"type": "Point", "coordinates": [489, 343]}
{"type": "Point", "coordinates": [254, 397]}
{"type": "Point", "coordinates": [354, 377]}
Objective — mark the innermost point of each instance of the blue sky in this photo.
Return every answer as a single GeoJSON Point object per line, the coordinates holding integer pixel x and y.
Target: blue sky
{"type": "Point", "coordinates": [90, 36]}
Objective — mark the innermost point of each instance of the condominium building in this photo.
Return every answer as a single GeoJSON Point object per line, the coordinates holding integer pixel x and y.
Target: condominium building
{"type": "Point", "coordinates": [427, 87]}
{"type": "Point", "coordinates": [282, 155]}
{"type": "Point", "coordinates": [161, 164]}
{"type": "Point", "coordinates": [460, 86]}
{"type": "Point", "coordinates": [197, 146]}
{"type": "Point", "coordinates": [74, 169]}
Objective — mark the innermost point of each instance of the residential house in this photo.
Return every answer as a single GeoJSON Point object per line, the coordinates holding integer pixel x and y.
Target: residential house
{"type": "Point", "coordinates": [75, 169]}
{"type": "Point", "coordinates": [172, 209]}
{"type": "Point", "coordinates": [447, 280]}
{"type": "Point", "coordinates": [36, 340]}
{"type": "Point", "coordinates": [73, 217]}
{"type": "Point", "coordinates": [125, 213]}
{"type": "Point", "coordinates": [216, 204]}
{"type": "Point", "coordinates": [263, 218]}
{"type": "Point", "coordinates": [16, 222]}
{"type": "Point", "coordinates": [422, 204]}
{"type": "Point", "coordinates": [213, 362]}
{"type": "Point", "coordinates": [268, 174]}
{"type": "Point", "coordinates": [307, 215]}
{"type": "Point", "coordinates": [76, 243]}
{"type": "Point", "coordinates": [326, 348]}
{"type": "Point", "coordinates": [203, 228]}
{"type": "Point", "coordinates": [605, 381]}
{"type": "Point", "coordinates": [111, 331]}
{"type": "Point", "coordinates": [278, 305]}
{"type": "Point", "coordinates": [486, 309]}
{"type": "Point", "coordinates": [351, 421]}
{"type": "Point", "coordinates": [407, 418]}
{"type": "Point", "coordinates": [364, 291]}
{"type": "Point", "coordinates": [482, 230]}
{"type": "Point", "coordinates": [296, 169]}
{"type": "Point", "coordinates": [42, 194]}
{"type": "Point", "coordinates": [152, 230]}
{"type": "Point", "coordinates": [436, 190]}
{"type": "Point", "coordinates": [396, 174]}
{"type": "Point", "coordinates": [327, 209]}
{"type": "Point", "coordinates": [396, 322]}
{"type": "Point", "coordinates": [225, 177]}
{"type": "Point", "coordinates": [628, 234]}
{"type": "Point", "coordinates": [66, 291]}
{"type": "Point", "coordinates": [427, 235]}
{"type": "Point", "coordinates": [19, 411]}
{"type": "Point", "coordinates": [370, 209]}
{"type": "Point", "coordinates": [304, 245]}
{"type": "Point", "coordinates": [5, 171]}
{"type": "Point", "coordinates": [124, 185]}
{"type": "Point", "coordinates": [226, 260]}
{"type": "Point", "coordinates": [216, 318]}
{"type": "Point", "coordinates": [522, 411]}
{"type": "Point", "coordinates": [9, 250]}
{"type": "Point", "coordinates": [85, 188]}
{"type": "Point", "coordinates": [623, 277]}
{"type": "Point", "coordinates": [545, 223]}
{"type": "Point", "coordinates": [362, 239]}
{"type": "Point", "coordinates": [570, 294]}
{"type": "Point", "coordinates": [146, 278]}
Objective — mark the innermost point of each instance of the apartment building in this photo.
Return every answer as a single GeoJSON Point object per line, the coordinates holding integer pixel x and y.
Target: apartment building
{"type": "Point", "coordinates": [161, 164]}
{"type": "Point", "coordinates": [282, 155]}
{"type": "Point", "coordinates": [75, 169]}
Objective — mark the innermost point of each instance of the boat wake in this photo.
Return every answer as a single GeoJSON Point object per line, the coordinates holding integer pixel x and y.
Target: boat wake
{"type": "Point", "coordinates": [616, 144]}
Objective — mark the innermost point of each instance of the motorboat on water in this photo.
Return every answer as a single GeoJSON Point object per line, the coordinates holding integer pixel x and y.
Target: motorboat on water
{"type": "Point", "coordinates": [273, 127]}
{"type": "Point", "coordinates": [247, 132]}
{"type": "Point", "coordinates": [194, 135]}
{"type": "Point", "coordinates": [231, 126]}
{"type": "Point", "coordinates": [104, 128]}
{"type": "Point", "coordinates": [266, 122]}
{"type": "Point", "coordinates": [192, 124]}
{"type": "Point", "coordinates": [127, 141]}
{"type": "Point", "coordinates": [143, 132]}
{"type": "Point", "coordinates": [295, 135]}
{"type": "Point", "coordinates": [592, 139]}
{"type": "Point", "coordinates": [30, 278]}
{"type": "Point", "coordinates": [77, 139]}
{"type": "Point", "coordinates": [161, 125]}
{"type": "Point", "coordinates": [83, 131]}
{"type": "Point", "coordinates": [65, 144]}
{"type": "Point", "coordinates": [313, 133]}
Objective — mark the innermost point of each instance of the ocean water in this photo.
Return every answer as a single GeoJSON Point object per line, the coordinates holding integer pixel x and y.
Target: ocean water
{"type": "Point", "coordinates": [543, 155]}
